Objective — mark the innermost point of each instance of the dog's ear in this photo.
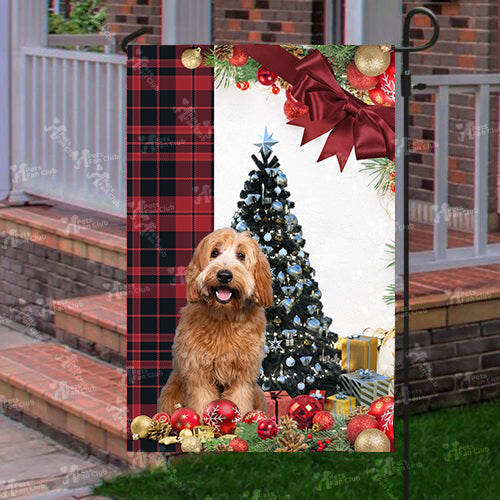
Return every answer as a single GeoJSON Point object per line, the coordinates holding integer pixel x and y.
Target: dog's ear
{"type": "Point", "coordinates": [263, 293]}
{"type": "Point", "coordinates": [192, 272]}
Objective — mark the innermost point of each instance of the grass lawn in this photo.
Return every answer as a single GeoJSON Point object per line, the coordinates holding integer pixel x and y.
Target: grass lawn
{"type": "Point", "coordinates": [454, 454]}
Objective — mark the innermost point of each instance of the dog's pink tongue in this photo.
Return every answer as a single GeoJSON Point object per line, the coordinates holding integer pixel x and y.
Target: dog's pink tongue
{"type": "Point", "coordinates": [224, 293]}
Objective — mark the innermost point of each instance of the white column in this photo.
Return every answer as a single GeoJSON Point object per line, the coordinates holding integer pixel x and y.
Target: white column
{"type": "Point", "coordinates": [186, 21]}
{"type": "Point", "coordinates": [4, 100]}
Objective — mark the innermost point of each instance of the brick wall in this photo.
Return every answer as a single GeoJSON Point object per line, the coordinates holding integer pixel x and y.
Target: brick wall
{"type": "Point", "coordinates": [451, 366]}
{"type": "Point", "coordinates": [31, 276]}
{"type": "Point", "coordinates": [268, 21]}
{"type": "Point", "coordinates": [468, 43]}
{"type": "Point", "coordinates": [127, 16]}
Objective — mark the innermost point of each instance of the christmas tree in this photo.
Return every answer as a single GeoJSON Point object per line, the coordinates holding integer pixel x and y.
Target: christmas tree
{"type": "Point", "coordinates": [299, 353]}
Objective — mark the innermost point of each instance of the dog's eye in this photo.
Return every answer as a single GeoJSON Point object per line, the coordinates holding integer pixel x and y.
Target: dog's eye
{"type": "Point", "coordinates": [241, 256]}
{"type": "Point", "coordinates": [214, 253]}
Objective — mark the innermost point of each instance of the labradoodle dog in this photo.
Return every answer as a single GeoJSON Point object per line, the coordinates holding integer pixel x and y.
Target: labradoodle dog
{"type": "Point", "coordinates": [219, 343]}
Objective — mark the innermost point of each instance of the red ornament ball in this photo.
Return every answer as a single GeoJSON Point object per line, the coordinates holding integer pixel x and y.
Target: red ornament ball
{"type": "Point", "coordinates": [386, 424]}
{"type": "Point", "coordinates": [266, 77]}
{"type": "Point", "coordinates": [309, 436]}
{"type": "Point", "coordinates": [267, 428]}
{"type": "Point", "coordinates": [359, 424]}
{"type": "Point", "coordinates": [254, 416]}
{"type": "Point", "coordinates": [242, 85]}
{"type": "Point", "coordinates": [293, 108]}
{"type": "Point", "coordinates": [184, 418]}
{"type": "Point", "coordinates": [302, 409]}
{"type": "Point", "coordinates": [238, 444]}
{"type": "Point", "coordinates": [324, 419]}
{"type": "Point", "coordinates": [379, 406]}
{"type": "Point", "coordinates": [222, 415]}
{"type": "Point", "coordinates": [378, 96]}
{"type": "Point", "coordinates": [164, 418]}
{"type": "Point", "coordinates": [275, 90]}
{"type": "Point", "coordinates": [239, 58]}
{"type": "Point", "coordinates": [358, 80]}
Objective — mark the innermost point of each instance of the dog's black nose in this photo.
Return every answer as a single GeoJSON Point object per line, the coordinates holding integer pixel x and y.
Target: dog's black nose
{"type": "Point", "coordinates": [225, 276]}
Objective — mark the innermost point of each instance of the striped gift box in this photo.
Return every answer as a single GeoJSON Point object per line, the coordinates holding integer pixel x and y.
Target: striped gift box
{"type": "Point", "coordinates": [364, 385]}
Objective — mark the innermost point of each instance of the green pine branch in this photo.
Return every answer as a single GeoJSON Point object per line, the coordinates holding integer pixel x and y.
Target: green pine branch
{"type": "Point", "coordinates": [390, 294]}
{"type": "Point", "coordinates": [380, 170]}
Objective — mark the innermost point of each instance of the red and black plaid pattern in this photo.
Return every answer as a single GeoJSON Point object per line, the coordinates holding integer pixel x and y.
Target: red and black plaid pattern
{"type": "Point", "coordinates": [170, 113]}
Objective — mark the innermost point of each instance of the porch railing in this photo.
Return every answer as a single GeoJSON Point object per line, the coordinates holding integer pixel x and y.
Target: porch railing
{"type": "Point", "coordinates": [481, 252]}
{"type": "Point", "coordinates": [68, 118]}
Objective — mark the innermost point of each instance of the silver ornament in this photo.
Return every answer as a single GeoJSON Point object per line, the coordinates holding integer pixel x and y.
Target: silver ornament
{"type": "Point", "coordinates": [241, 226]}
{"type": "Point", "coordinates": [268, 237]}
{"type": "Point", "coordinates": [301, 386]}
{"type": "Point", "coordinates": [313, 325]}
{"type": "Point", "coordinates": [290, 362]}
{"type": "Point", "coordinates": [277, 205]}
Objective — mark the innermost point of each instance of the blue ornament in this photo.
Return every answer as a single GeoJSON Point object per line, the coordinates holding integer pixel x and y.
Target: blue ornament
{"type": "Point", "coordinates": [308, 283]}
{"type": "Point", "coordinates": [261, 370]}
{"type": "Point", "coordinates": [268, 237]}
{"type": "Point", "coordinates": [310, 379]}
{"type": "Point", "coordinates": [257, 218]}
{"type": "Point", "coordinates": [277, 205]}
{"type": "Point", "coordinates": [255, 177]}
{"type": "Point", "coordinates": [266, 146]}
{"type": "Point", "coordinates": [282, 181]}
{"type": "Point", "coordinates": [296, 321]}
{"type": "Point", "coordinates": [311, 309]}
{"type": "Point", "coordinates": [287, 304]}
{"type": "Point", "coordinates": [317, 367]}
{"type": "Point", "coordinates": [281, 277]}
{"type": "Point", "coordinates": [298, 239]}
{"type": "Point", "coordinates": [281, 379]}
{"type": "Point", "coordinates": [266, 350]}
{"type": "Point", "coordinates": [290, 334]}
{"type": "Point", "coordinates": [290, 362]}
{"type": "Point", "coordinates": [326, 321]}
{"type": "Point", "coordinates": [317, 294]}
{"type": "Point", "coordinates": [300, 286]}
{"type": "Point", "coordinates": [294, 270]}
{"type": "Point", "coordinates": [313, 325]}
{"type": "Point", "coordinates": [301, 254]}
{"type": "Point", "coordinates": [282, 252]}
{"type": "Point", "coordinates": [306, 360]}
{"type": "Point", "coordinates": [288, 290]}
{"type": "Point", "coordinates": [265, 385]}
{"type": "Point", "coordinates": [241, 226]}
{"type": "Point", "coordinates": [301, 386]}
{"type": "Point", "coordinates": [277, 190]}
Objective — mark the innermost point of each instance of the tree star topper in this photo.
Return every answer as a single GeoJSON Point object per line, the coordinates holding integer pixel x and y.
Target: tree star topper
{"type": "Point", "coordinates": [266, 146]}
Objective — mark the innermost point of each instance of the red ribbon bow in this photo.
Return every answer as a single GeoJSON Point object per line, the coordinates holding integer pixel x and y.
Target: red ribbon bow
{"type": "Point", "coordinates": [370, 129]}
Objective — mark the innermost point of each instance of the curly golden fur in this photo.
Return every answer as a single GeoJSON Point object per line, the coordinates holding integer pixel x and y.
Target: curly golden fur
{"type": "Point", "coordinates": [219, 343]}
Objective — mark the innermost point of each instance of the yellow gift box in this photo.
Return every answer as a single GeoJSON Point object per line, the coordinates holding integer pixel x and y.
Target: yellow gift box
{"type": "Point", "coordinates": [359, 351]}
{"type": "Point", "coordinates": [340, 403]}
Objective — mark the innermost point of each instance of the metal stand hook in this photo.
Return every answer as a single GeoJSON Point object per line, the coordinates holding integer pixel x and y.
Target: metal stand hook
{"type": "Point", "coordinates": [126, 40]}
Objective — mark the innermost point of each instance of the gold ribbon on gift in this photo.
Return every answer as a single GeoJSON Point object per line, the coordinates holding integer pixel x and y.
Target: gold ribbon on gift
{"type": "Point", "coordinates": [358, 351]}
{"type": "Point", "coordinates": [381, 335]}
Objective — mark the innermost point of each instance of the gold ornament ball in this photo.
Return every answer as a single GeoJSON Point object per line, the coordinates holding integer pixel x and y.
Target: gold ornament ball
{"type": "Point", "coordinates": [191, 58]}
{"type": "Point", "coordinates": [370, 60]}
{"type": "Point", "coordinates": [372, 440]}
{"type": "Point", "coordinates": [185, 433]}
{"type": "Point", "coordinates": [192, 444]}
{"type": "Point", "coordinates": [139, 426]}
{"type": "Point", "coordinates": [385, 48]}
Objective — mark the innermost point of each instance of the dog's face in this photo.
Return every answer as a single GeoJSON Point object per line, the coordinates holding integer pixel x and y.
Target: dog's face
{"type": "Point", "coordinates": [227, 270]}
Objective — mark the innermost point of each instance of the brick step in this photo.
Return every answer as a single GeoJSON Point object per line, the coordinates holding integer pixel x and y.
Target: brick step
{"type": "Point", "coordinates": [70, 393]}
{"type": "Point", "coordinates": [95, 324]}
{"type": "Point", "coordinates": [69, 229]}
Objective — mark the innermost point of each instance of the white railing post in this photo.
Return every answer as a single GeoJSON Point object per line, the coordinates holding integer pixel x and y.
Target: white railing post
{"type": "Point", "coordinates": [481, 165]}
{"type": "Point", "coordinates": [441, 173]}
{"type": "Point", "coordinates": [28, 23]}
{"type": "Point", "coordinates": [4, 100]}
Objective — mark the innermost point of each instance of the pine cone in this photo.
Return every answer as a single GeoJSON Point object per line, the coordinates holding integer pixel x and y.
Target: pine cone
{"type": "Point", "coordinates": [293, 49]}
{"type": "Point", "coordinates": [359, 410]}
{"type": "Point", "coordinates": [286, 423]}
{"type": "Point", "coordinates": [223, 447]}
{"type": "Point", "coordinates": [291, 442]}
{"type": "Point", "coordinates": [362, 95]}
{"type": "Point", "coordinates": [158, 430]}
{"type": "Point", "coordinates": [223, 52]}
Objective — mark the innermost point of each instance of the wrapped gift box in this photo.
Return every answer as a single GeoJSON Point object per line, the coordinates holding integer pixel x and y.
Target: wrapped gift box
{"type": "Point", "coordinates": [340, 403]}
{"type": "Point", "coordinates": [359, 351]}
{"type": "Point", "coordinates": [320, 396]}
{"type": "Point", "coordinates": [365, 385]}
{"type": "Point", "coordinates": [277, 402]}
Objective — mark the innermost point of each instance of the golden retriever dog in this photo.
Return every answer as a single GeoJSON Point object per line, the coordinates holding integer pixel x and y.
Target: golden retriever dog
{"type": "Point", "coordinates": [219, 342]}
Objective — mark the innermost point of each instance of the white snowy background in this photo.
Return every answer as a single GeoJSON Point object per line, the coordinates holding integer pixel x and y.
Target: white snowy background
{"type": "Point", "coordinates": [343, 221]}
